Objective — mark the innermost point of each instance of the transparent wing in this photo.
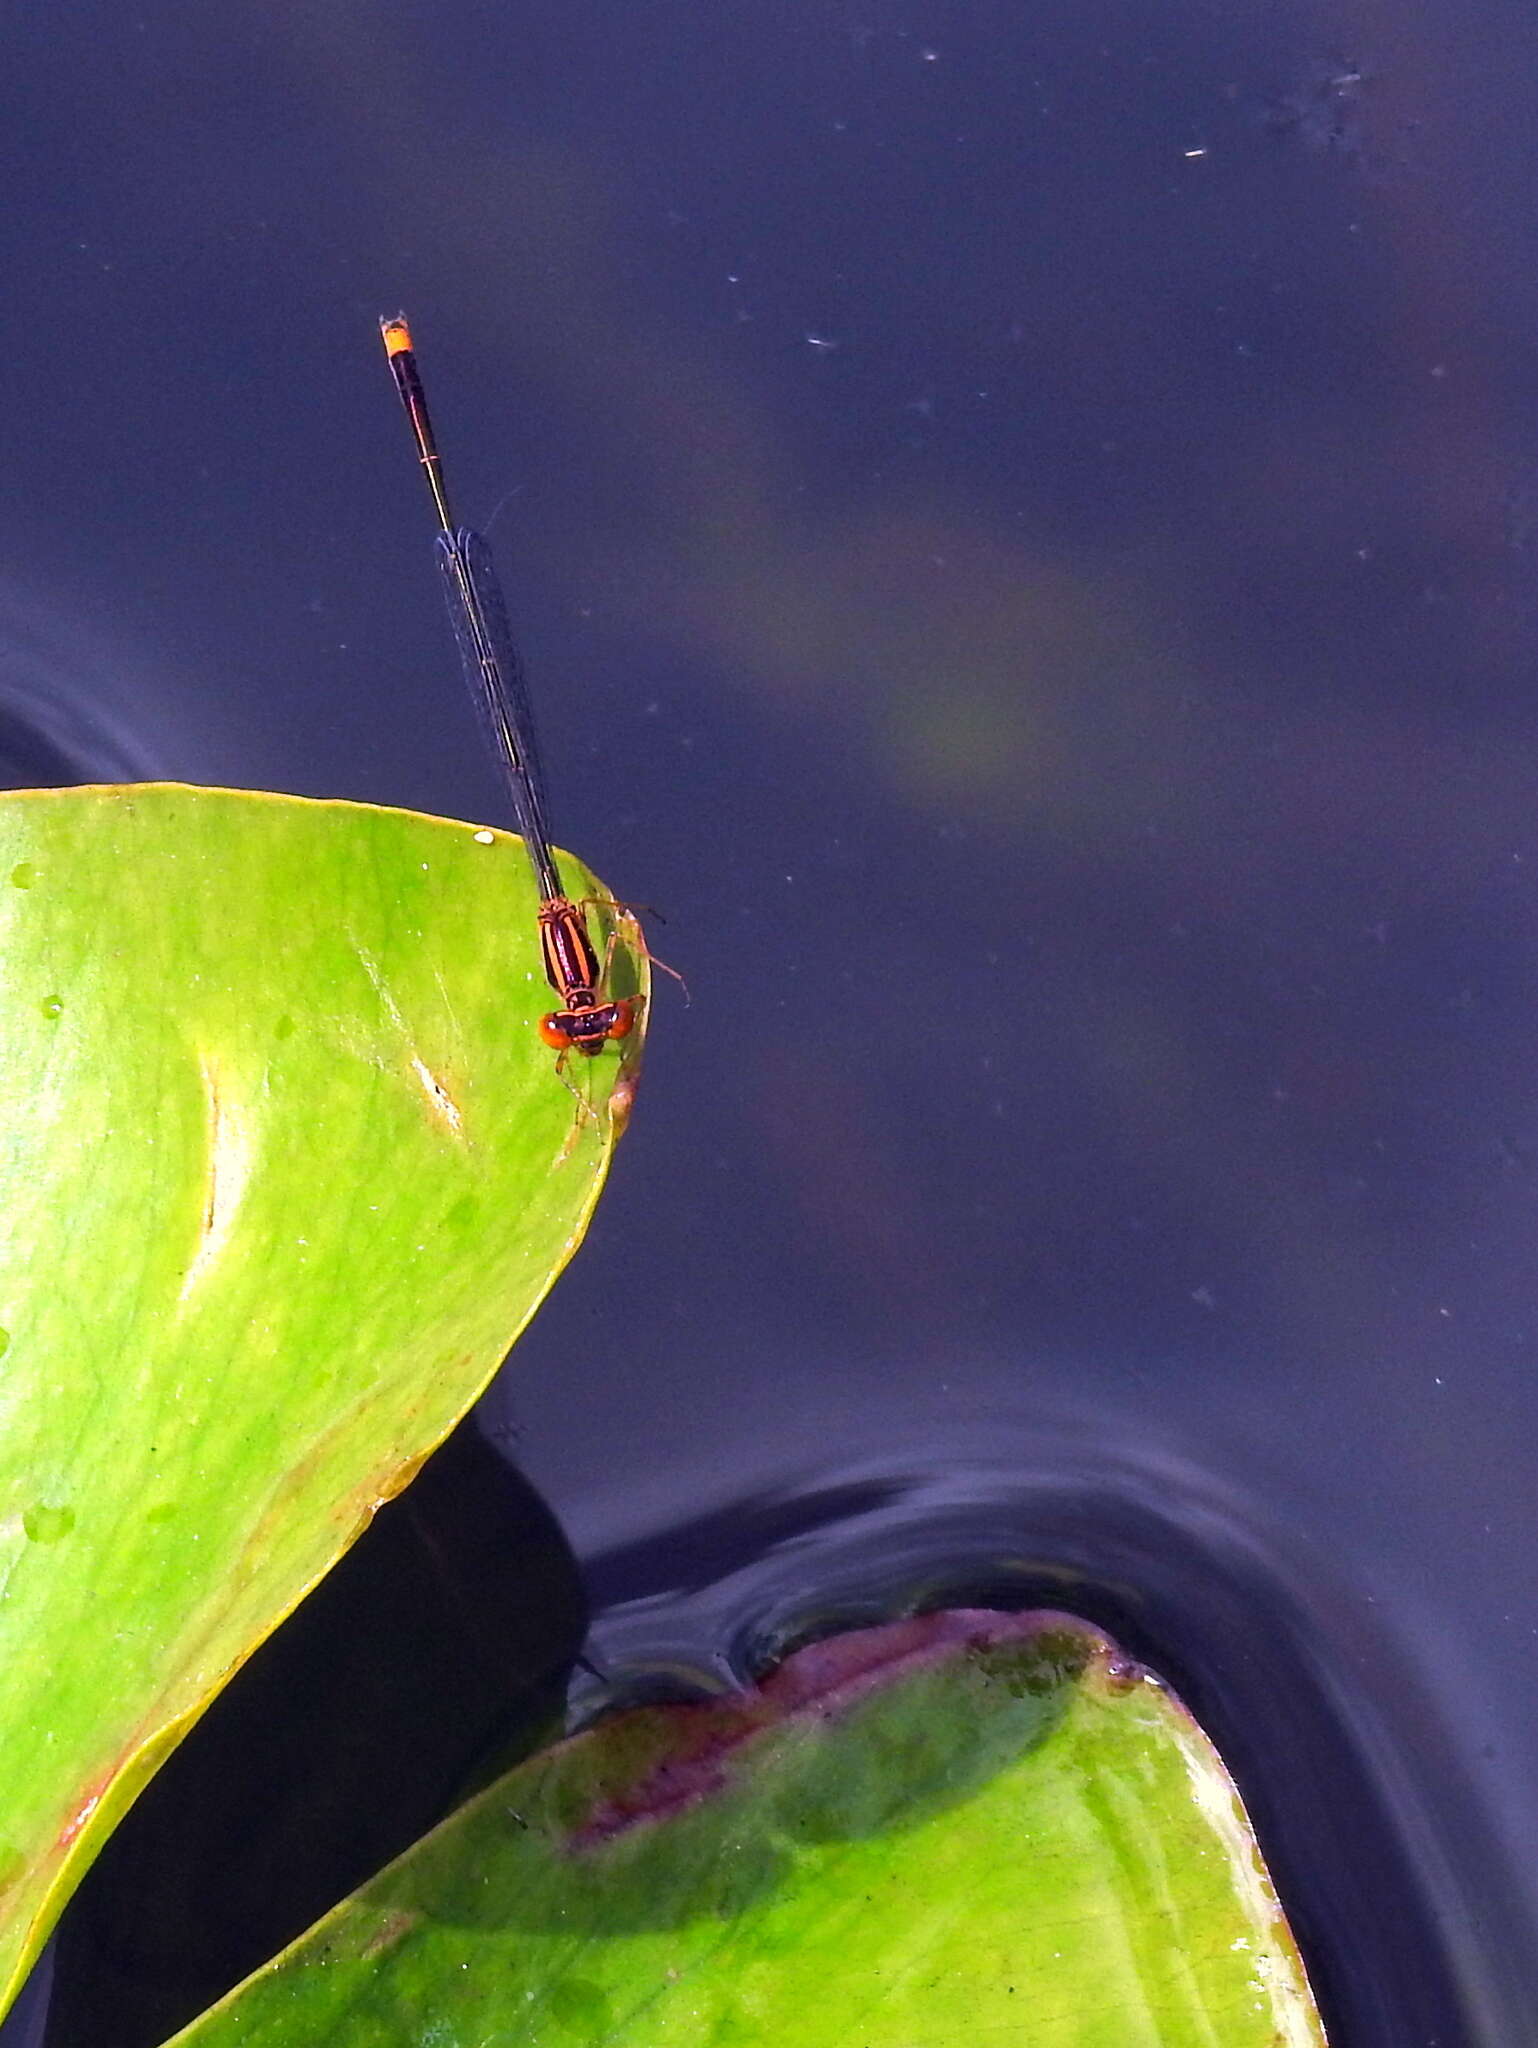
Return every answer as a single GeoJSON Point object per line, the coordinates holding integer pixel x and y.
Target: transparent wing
{"type": "Point", "coordinates": [495, 678]}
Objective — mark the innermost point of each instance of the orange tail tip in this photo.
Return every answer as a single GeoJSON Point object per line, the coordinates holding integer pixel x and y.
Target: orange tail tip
{"type": "Point", "coordinates": [396, 335]}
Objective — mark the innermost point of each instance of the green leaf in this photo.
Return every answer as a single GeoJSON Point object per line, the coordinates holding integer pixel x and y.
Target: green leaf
{"type": "Point", "coordinates": [284, 1169]}
{"type": "Point", "coordinates": [968, 1828]}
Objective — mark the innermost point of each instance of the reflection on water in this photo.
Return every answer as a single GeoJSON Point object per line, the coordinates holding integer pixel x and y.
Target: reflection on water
{"type": "Point", "coordinates": [62, 720]}
{"type": "Point", "coordinates": [50, 742]}
{"type": "Point", "coordinates": [1372, 1837]}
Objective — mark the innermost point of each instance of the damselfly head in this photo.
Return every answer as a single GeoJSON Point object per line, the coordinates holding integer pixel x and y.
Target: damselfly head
{"type": "Point", "coordinates": [588, 1029]}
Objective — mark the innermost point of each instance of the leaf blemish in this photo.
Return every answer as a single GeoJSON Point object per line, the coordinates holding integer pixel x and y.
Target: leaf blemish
{"type": "Point", "coordinates": [444, 1109]}
{"type": "Point", "coordinates": [393, 1928]}
{"type": "Point", "coordinates": [443, 1105]}
{"type": "Point", "coordinates": [228, 1173]}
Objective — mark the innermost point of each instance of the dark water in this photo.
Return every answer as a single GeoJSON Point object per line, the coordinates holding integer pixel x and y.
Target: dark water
{"type": "Point", "coordinates": [1025, 530]}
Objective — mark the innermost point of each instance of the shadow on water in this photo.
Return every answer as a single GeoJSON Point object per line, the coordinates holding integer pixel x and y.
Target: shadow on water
{"type": "Point", "coordinates": [435, 1652]}
{"type": "Point", "coordinates": [1377, 1847]}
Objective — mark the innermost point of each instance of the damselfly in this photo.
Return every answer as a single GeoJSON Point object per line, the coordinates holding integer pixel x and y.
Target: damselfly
{"type": "Point", "coordinates": [587, 1018]}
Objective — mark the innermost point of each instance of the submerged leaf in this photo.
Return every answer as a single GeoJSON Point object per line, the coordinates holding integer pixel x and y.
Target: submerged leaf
{"type": "Point", "coordinates": [971, 1827]}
